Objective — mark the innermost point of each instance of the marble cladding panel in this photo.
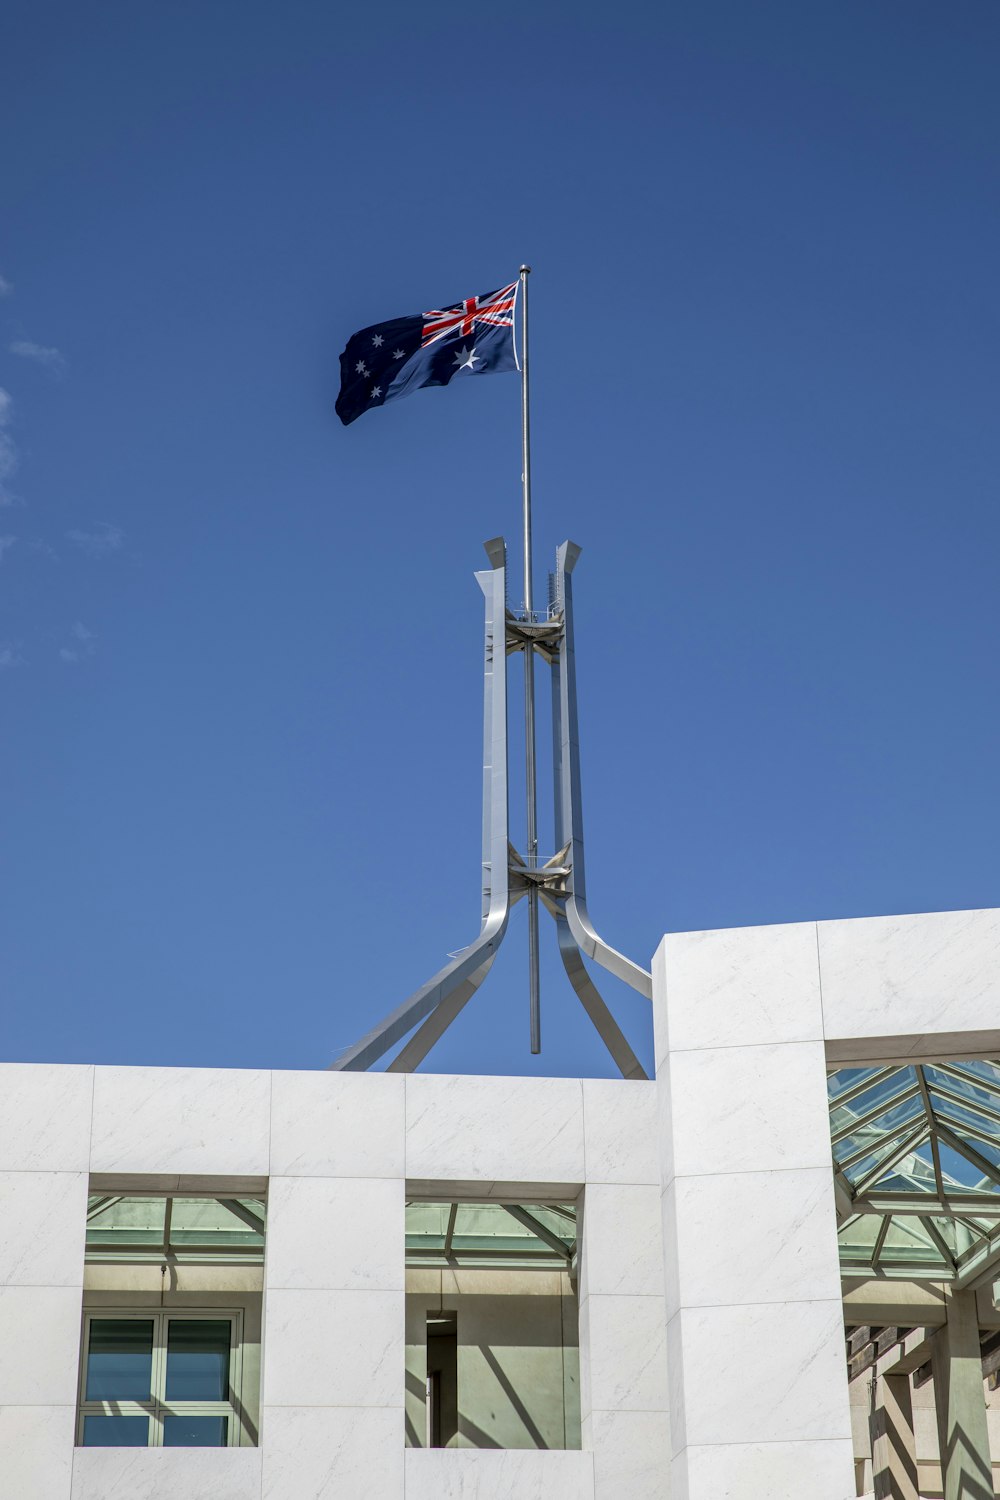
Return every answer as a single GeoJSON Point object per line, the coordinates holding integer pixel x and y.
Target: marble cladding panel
{"type": "Point", "coordinates": [631, 1454]}
{"type": "Point", "coordinates": [336, 1234]}
{"type": "Point", "coordinates": [936, 972]}
{"type": "Point", "coordinates": [39, 1345]}
{"type": "Point", "coordinates": [759, 1374]}
{"type": "Point", "coordinates": [333, 1453]}
{"type": "Point", "coordinates": [334, 1349]}
{"type": "Point", "coordinates": [623, 1354]}
{"type": "Point", "coordinates": [750, 1237]}
{"type": "Point", "coordinates": [337, 1124]}
{"type": "Point", "coordinates": [622, 1250]}
{"type": "Point", "coordinates": [498, 1474]}
{"type": "Point", "coordinates": [765, 1471]}
{"type": "Point", "coordinates": [166, 1474]}
{"type": "Point", "coordinates": [747, 1109]}
{"type": "Point", "coordinates": [494, 1129]}
{"type": "Point", "coordinates": [45, 1113]}
{"type": "Point", "coordinates": [739, 986]}
{"type": "Point", "coordinates": [43, 1222]}
{"type": "Point", "coordinates": [184, 1120]}
{"type": "Point", "coordinates": [619, 1126]}
{"type": "Point", "coordinates": [36, 1452]}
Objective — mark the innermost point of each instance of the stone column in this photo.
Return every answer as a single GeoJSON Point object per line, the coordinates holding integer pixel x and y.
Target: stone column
{"type": "Point", "coordinates": [963, 1436]}
{"type": "Point", "coordinates": [755, 1333]}
{"type": "Point", "coordinates": [894, 1448]}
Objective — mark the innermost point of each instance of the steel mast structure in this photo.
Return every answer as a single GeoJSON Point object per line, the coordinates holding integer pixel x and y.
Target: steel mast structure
{"type": "Point", "coordinates": [558, 883]}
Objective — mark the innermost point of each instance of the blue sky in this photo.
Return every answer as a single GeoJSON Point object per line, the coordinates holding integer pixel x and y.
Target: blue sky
{"type": "Point", "coordinates": [239, 645]}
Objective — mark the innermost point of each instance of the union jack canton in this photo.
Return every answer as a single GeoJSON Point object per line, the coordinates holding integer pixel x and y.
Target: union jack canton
{"type": "Point", "coordinates": [471, 337]}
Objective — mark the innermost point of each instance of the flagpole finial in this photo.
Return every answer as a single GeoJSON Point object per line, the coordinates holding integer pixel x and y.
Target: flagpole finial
{"type": "Point", "coordinates": [524, 270]}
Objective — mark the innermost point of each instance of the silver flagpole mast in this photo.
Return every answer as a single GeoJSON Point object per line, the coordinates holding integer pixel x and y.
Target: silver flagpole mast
{"type": "Point", "coordinates": [534, 995]}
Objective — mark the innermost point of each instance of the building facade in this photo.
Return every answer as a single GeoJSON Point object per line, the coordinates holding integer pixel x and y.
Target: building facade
{"type": "Point", "coordinates": [240, 1285]}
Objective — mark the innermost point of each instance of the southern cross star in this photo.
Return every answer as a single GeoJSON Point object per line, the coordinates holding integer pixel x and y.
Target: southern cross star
{"type": "Point", "coordinates": [361, 368]}
{"type": "Point", "coordinates": [467, 359]}
{"type": "Point", "coordinates": [376, 391]}
{"type": "Point", "coordinates": [397, 353]}
{"type": "Point", "coordinates": [378, 340]}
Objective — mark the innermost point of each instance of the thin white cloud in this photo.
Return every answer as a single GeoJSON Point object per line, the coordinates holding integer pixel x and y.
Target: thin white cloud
{"type": "Point", "coordinates": [9, 656]}
{"type": "Point", "coordinates": [101, 542]}
{"type": "Point", "coordinates": [83, 644]}
{"type": "Point", "coordinates": [5, 287]}
{"type": "Point", "coordinates": [6, 542]}
{"type": "Point", "coordinates": [8, 449]}
{"type": "Point", "coordinates": [41, 354]}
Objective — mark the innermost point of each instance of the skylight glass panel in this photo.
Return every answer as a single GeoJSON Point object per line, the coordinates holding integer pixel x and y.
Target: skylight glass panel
{"type": "Point", "coordinates": [846, 1078]}
{"type": "Point", "coordinates": [490, 1231]}
{"type": "Point", "coordinates": [883, 1091]}
{"type": "Point", "coordinates": [963, 1176]}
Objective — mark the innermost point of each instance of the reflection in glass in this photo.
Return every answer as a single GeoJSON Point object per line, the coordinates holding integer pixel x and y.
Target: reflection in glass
{"type": "Point", "coordinates": [198, 1359]}
{"type": "Point", "coordinates": [195, 1432]}
{"type": "Point", "coordinates": [115, 1432]}
{"type": "Point", "coordinates": [120, 1360]}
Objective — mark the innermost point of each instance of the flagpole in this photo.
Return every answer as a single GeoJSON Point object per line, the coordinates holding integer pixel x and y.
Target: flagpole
{"type": "Point", "coordinates": [534, 988]}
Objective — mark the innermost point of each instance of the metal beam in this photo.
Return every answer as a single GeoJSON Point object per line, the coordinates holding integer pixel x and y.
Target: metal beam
{"type": "Point", "coordinates": [569, 813]}
{"type": "Point", "coordinates": [538, 1228]}
{"type": "Point", "coordinates": [252, 1220]}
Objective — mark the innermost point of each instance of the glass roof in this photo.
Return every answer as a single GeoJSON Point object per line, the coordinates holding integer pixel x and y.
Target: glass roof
{"type": "Point", "coordinates": [453, 1234]}
{"type": "Point", "coordinates": [916, 1153]}
{"type": "Point", "coordinates": [148, 1227]}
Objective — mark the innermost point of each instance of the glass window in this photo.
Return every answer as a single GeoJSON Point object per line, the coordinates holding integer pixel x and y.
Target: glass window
{"type": "Point", "coordinates": [115, 1432]}
{"type": "Point", "coordinates": [165, 1380]}
{"type": "Point", "coordinates": [195, 1432]}
{"type": "Point", "coordinates": [198, 1359]}
{"type": "Point", "coordinates": [120, 1359]}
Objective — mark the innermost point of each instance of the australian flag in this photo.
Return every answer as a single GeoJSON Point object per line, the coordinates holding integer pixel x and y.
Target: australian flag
{"type": "Point", "coordinates": [473, 337]}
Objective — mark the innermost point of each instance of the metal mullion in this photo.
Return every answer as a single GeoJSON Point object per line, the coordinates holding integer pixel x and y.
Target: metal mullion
{"type": "Point", "coordinates": [160, 1365]}
{"type": "Point", "coordinates": [449, 1233]}
{"type": "Point", "coordinates": [928, 1203]}
{"type": "Point", "coordinates": [875, 1114]}
{"type": "Point", "coordinates": [932, 1122]}
{"type": "Point", "coordinates": [168, 1214]}
{"type": "Point", "coordinates": [880, 1240]}
{"type": "Point", "coordinates": [939, 1240]}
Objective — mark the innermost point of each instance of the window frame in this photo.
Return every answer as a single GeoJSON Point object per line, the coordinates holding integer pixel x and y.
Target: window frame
{"type": "Point", "coordinates": [157, 1407]}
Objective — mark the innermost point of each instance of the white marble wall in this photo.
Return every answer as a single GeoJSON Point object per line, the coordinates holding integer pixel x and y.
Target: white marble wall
{"type": "Point", "coordinates": [44, 1156]}
{"type": "Point", "coordinates": [337, 1151]}
{"type": "Point", "coordinates": [755, 1327]}
{"type": "Point", "coordinates": [746, 1022]}
{"type": "Point", "coordinates": [927, 984]}
{"type": "Point", "coordinates": [623, 1361]}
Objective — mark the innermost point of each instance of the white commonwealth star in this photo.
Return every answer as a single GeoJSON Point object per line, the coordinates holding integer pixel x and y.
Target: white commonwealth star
{"type": "Point", "coordinates": [361, 368]}
{"type": "Point", "coordinates": [397, 353]}
{"type": "Point", "coordinates": [378, 340]}
{"type": "Point", "coordinates": [376, 391]}
{"type": "Point", "coordinates": [467, 359]}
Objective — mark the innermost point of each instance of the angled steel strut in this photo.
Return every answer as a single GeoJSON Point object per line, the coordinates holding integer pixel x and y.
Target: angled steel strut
{"type": "Point", "coordinates": [558, 882]}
